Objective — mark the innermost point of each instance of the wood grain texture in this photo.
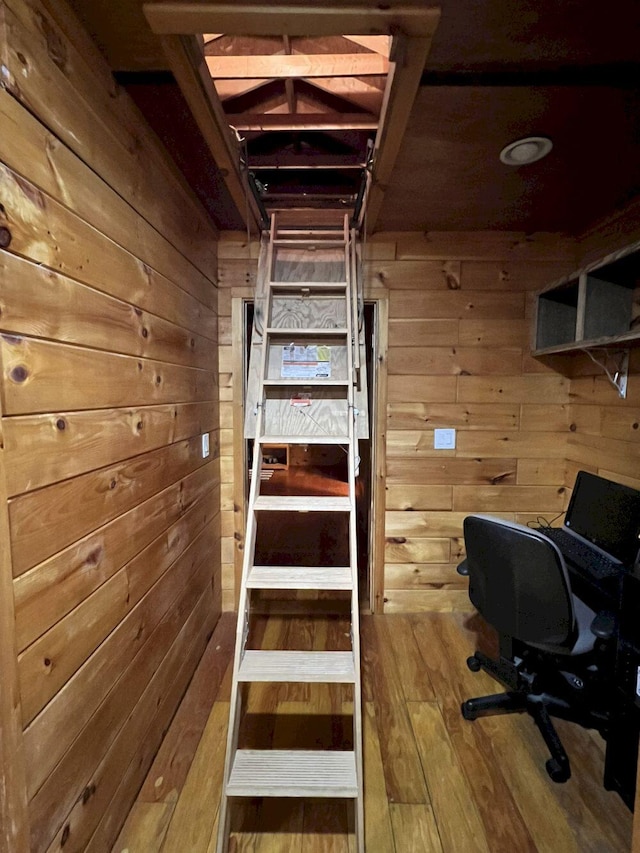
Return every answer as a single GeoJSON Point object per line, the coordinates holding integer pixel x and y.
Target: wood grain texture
{"type": "Point", "coordinates": [487, 786]}
{"type": "Point", "coordinates": [82, 757]}
{"type": "Point", "coordinates": [45, 521]}
{"type": "Point", "coordinates": [65, 444]}
{"type": "Point", "coordinates": [109, 334]}
{"type": "Point", "coordinates": [69, 87]}
{"type": "Point", "coordinates": [42, 376]}
{"type": "Point", "coordinates": [53, 588]}
{"type": "Point", "coordinates": [403, 774]}
{"type": "Point", "coordinates": [60, 173]}
{"type": "Point", "coordinates": [14, 815]}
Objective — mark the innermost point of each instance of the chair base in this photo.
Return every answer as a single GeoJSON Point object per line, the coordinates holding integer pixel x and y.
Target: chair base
{"type": "Point", "coordinates": [521, 696]}
{"type": "Point", "coordinates": [558, 766]}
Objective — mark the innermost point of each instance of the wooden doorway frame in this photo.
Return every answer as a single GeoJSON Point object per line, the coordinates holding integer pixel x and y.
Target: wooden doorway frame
{"type": "Point", "coordinates": [380, 299]}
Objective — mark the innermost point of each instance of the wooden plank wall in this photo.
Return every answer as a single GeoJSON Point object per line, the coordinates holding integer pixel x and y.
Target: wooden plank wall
{"type": "Point", "coordinates": [108, 348]}
{"type": "Point", "coordinates": [606, 435]}
{"type": "Point", "coordinates": [460, 310]}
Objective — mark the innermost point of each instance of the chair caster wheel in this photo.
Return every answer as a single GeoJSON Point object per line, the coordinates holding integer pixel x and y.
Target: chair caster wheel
{"type": "Point", "coordinates": [474, 664]}
{"type": "Point", "coordinates": [468, 710]}
{"type": "Point", "coordinates": [557, 773]}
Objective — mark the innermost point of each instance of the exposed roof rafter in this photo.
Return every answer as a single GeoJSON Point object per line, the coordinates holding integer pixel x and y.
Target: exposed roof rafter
{"type": "Point", "coordinates": [280, 67]}
{"type": "Point", "coordinates": [303, 121]}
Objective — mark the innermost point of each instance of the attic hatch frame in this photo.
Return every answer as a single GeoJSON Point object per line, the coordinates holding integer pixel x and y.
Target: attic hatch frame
{"type": "Point", "coordinates": [181, 23]}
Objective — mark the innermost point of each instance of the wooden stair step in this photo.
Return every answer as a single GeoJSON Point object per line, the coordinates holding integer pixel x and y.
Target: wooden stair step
{"type": "Point", "coordinates": [303, 383]}
{"type": "Point", "coordinates": [306, 331]}
{"type": "Point", "coordinates": [310, 243]}
{"type": "Point", "coordinates": [308, 285]}
{"type": "Point", "coordinates": [292, 773]}
{"type": "Point", "coordinates": [304, 439]}
{"type": "Point", "coordinates": [310, 233]}
{"type": "Point", "coordinates": [297, 667]}
{"type": "Point", "coordinates": [302, 503]}
{"type": "Point", "coordinates": [300, 577]}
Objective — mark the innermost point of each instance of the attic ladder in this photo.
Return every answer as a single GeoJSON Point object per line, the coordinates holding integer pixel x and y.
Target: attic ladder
{"type": "Point", "coordinates": [333, 397]}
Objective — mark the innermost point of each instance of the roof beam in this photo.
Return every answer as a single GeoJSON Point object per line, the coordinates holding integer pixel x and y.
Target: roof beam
{"type": "Point", "coordinates": [281, 67]}
{"type": "Point", "coordinates": [378, 44]}
{"type": "Point", "coordinates": [303, 121]}
{"type": "Point", "coordinates": [288, 83]}
{"type": "Point", "coordinates": [359, 92]}
{"type": "Point", "coordinates": [234, 88]}
{"type": "Point", "coordinates": [287, 18]}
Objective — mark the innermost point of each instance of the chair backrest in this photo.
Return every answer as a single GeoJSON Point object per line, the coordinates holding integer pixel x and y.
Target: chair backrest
{"type": "Point", "coordinates": [518, 581]}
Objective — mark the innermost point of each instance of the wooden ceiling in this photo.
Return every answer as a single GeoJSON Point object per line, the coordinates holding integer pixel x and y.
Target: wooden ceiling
{"type": "Point", "coordinates": [496, 70]}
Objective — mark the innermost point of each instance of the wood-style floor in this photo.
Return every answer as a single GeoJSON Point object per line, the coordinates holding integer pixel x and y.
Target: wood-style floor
{"type": "Point", "coordinates": [433, 782]}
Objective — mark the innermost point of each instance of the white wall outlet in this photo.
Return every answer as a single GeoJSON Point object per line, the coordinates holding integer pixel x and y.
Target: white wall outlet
{"type": "Point", "coordinates": [205, 445]}
{"type": "Point", "coordinates": [444, 439]}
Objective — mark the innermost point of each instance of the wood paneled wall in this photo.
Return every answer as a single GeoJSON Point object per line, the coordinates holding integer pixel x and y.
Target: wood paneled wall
{"type": "Point", "coordinates": [109, 363]}
{"type": "Point", "coordinates": [460, 310]}
{"type": "Point", "coordinates": [606, 435]}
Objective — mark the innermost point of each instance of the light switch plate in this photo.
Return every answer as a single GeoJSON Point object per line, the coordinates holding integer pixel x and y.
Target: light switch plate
{"type": "Point", "coordinates": [444, 439]}
{"type": "Point", "coordinates": [205, 445]}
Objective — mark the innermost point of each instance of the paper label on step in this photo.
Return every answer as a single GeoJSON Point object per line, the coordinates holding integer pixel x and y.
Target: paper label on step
{"type": "Point", "coordinates": [311, 362]}
{"type": "Point", "coordinates": [300, 401]}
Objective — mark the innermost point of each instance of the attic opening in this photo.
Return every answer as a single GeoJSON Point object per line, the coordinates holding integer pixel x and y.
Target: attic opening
{"type": "Point", "coordinates": [305, 111]}
{"type": "Point", "coordinates": [313, 111]}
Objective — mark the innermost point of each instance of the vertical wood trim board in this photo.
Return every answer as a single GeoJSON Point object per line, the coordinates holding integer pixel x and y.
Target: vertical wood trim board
{"type": "Point", "coordinates": [110, 575]}
{"type": "Point", "coordinates": [14, 822]}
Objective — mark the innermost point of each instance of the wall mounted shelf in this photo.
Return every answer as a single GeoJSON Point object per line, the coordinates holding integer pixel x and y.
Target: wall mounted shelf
{"type": "Point", "coordinates": [596, 307]}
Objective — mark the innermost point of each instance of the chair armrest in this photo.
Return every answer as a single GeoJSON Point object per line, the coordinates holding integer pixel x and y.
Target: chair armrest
{"type": "Point", "coordinates": [604, 625]}
{"type": "Point", "coordinates": [463, 568]}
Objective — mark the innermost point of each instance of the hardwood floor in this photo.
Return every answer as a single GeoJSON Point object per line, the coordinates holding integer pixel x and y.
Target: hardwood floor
{"type": "Point", "coordinates": [434, 783]}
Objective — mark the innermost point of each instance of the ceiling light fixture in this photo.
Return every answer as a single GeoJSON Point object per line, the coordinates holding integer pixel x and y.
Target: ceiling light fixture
{"type": "Point", "coordinates": [524, 151]}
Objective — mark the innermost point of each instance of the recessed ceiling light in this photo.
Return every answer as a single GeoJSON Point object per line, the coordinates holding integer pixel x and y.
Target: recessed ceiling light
{"type": "Point", "coordinates": [524, 151]}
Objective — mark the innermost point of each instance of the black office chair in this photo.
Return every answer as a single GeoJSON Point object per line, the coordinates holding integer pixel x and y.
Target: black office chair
{"type": "Point", "coordinates": [555, 654]}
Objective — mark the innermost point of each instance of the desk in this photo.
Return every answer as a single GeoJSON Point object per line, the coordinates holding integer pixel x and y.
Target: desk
{"type": "Point", "coordinates": [622, 745]}
{"type": "Point", "coordinates": [622, 596]}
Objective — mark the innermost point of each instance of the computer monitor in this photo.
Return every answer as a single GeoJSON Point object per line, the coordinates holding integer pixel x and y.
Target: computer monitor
{"type": "Point", "coordinates": [606, 514]}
